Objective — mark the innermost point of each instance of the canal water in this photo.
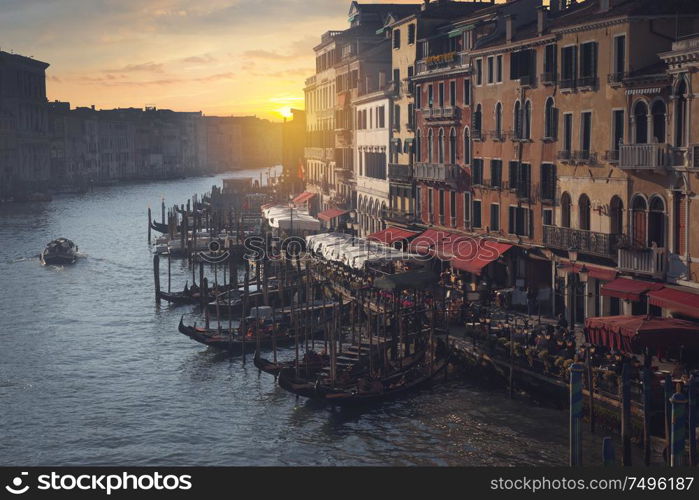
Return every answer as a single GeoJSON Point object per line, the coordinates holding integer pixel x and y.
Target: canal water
{"type": "Point", "coordinates": [92, 373]}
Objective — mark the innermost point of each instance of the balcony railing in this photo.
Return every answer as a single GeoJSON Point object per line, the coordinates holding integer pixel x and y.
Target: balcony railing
{"type": "Point", "coordinates": [584, 157]}
{"type": "Point", "coordinates": [319, 153]}
{"type": "Point", "coordinates": [527, 81]}
{"type": "Point", "coordinates": [648, 261]}
{"type": "Point", "coordinates": [611, 156]}
{"type": "Point", "coordinates": [439, 172]}
{"type": "Point", "coordinates": [589, 242]}
{"type": "Point", "coordinates": [438, 62]}
{"type": "Point", "coordinates": [567, 84]}
{"type": "Point", "coordinates": [564, 155]}
{"type": "Point", "coordinates": [400, 173]}
{"type": "Point", "coordinates": [588, 82]}
{"type": "Point", "coordinates": [400, 217]}
{"type": "Point", "coordinates": [644, 156]}
{"type": "Point", "coordinates": [548, 78]}
{"type": "Point", "coordinates": [440, 113]}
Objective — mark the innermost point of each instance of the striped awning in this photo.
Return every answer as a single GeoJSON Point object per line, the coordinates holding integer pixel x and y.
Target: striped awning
{"type": "Point", "coordinates": [654, 90]}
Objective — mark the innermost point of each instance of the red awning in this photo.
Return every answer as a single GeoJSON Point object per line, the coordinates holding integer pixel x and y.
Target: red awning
{"type": "Point", "coordinates": [676, 300]}
{"type": "Point", "coordinates": [435, 242]}
{"type": "Point", "coordinates": [634, 333]}
{"type": "Point", "coordinates": [474, 260]}
{"type": "Point", "coordinates": [303, 197]}
{"type": "Point", "coordinates": [628, 289]}
{"type": "Point", "coordinates": [392, 234]}
{"type": "Point", "coordinates": [599, 273]}
{"type": "Point", "coordinates": [330, 214]}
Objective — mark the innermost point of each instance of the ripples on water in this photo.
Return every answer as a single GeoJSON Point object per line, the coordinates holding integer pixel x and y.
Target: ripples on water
{"type": "Point", "coordinates": [92, 373]}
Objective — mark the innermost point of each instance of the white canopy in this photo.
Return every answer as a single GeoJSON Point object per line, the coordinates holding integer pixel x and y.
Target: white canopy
{"type": "Point", "coordinates": [351, 251]}
{"type": "Point", "coordinates": [283, 217]}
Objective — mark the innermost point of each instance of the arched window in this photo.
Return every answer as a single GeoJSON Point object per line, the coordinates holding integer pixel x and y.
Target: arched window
{"type": "Point", "coordinates": [467, 146]}
{"type": "Point", "coordinates": [639, 221]}
{"type": "Point", "coordinates": [584, 212]}
{"type": "Point", "coordinates": [441, 145]}
{"type": "Point", "coordinates": [452, 146]}
{"type": "Point", "coordinates": [640, 115]}
{"type": "Point", "coordinates": [616, 215]}
{"type": "Point", "coordinates": [549, 119]}
{"type": "Point", "coordinates": [681, 114]}
{"type": "Point", "coordinates": [517, 120]}
{"type": "Point", "coordinates": [528, 120]}
{"type": "Point", "coordinates": [418, 145]}
{"type": "Point", "coordinates": [565, 210]}
{"type": "Point", "coordinates": [656, 222]}
{"type": "Point", "coordinates": [498, 120]}
{"type": "Point", "coordinates": [430, 146]}
{"type": "Point", "coordinates": [659, 112]}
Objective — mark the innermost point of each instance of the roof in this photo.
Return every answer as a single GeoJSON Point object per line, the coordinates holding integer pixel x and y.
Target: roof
{"type": "Point", "coordinates": [330, 214]}
{"type": "Point", "coordinates": [629, 289]}
{"type": "Point", "coordinates": [392, 234]}
{"type": "Point", "coordinates": [485, 252]}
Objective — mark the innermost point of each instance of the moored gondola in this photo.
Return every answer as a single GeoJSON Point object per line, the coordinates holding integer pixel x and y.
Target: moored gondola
{"type": "Point", "coordinates": [311, 363]}
{"type": "Point", "coordinates": [233, 341]}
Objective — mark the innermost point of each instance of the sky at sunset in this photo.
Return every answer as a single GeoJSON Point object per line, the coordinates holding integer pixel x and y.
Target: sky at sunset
{"type": "Point", "coordinates": [221, 57]}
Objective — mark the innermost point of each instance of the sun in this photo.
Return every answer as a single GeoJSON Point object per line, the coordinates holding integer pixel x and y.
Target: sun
{"type": "Point", "coordinates": [285, 112]}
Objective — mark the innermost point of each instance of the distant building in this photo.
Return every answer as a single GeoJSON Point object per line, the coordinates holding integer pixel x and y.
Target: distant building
{"type": "Point", "coordinates": [24, 140]}
{"type": "Point", "coordinates": [293, 144]}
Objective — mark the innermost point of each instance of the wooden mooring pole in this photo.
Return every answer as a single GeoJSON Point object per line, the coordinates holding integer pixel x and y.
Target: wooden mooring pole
{"type": "Point", "coordinates": [156, 277]}
{"type": "Point", "coordinates": [647, 411]}
{"type": "Point", "coordinates": [626, 414]}
{"type": "Point", "coordinates": [679, 429]}
{"type": "Point", "coordinates": [692, 409]}
{"type": "Point", "coordinates": [576, 414]}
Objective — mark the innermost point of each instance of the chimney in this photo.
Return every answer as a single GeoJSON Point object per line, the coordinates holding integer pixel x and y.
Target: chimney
{"type": "Point", "coordinates": [508, 28]}
{"type": "Point", "coordinates": [540, 20]}
{"type": "Point", "coordinates": [605, 5]}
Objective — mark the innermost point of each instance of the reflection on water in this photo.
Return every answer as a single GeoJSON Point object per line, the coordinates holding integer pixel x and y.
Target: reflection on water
{"type": "Point", "coordinates": [91, 372]}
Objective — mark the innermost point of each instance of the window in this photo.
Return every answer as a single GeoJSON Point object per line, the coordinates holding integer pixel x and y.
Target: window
{"type": "Point", "coordinates": [479, 72]}
{"type": "Point", "coordinates": [569, 66]}
{"type": "Point", "coordinates": [548, 217]}
{"type": "Point", "coordinates": [496, 173]}
{"type": "Point", "coordinates": [527, 120]}
{"type": "Point", "coordinates": [567, 132]}
{"type": "Point", "coordinates": [477, 171]}
{"type": "Point", "coordinates": [430, 146]}
{"type": "Point", "coordinates": [517, 120]}
{"type": "Point", "coordinates": [659, 111]}
{"type": "Point", "coordinates": [467, 92]}
{"type": "Point", "coordinates": [441, 207]}
{"type": "Point", "coordinates": [396, 117]}
{"type": "Point", "coordinates": [452, 208]}
{"type": "Point", "coordinates": [477, 121]}
{"type": "Point", "coordinates": [519, 221]}
{"type": "Point", "coordinates": [639, 221]}
{"type": "Point", "coordinates": [616, 215]}
{"type": "Point", "coordinates": [476, 213]}
{"type": "Point", "coordinates": [441, 146]}
{"type": "Point", "coordinates": [588, 63]}
{"type": "Point", "coordinates": [520, 178]}
{"type": "Point", "coordinates": [441, 95]}
{"type": "Point", "coordinates": [491, 69]}
{"type": "Point", "coordinates": [411, 34]}
{"type": "Point", "coordinates": [452, 93]}
{"type": "Point", "coordinates": [396, 76]}
{"type": "Point", "coordinates": [584, 212]}
{"type": "Point", "coordinates": [656, 222]}
{"type": "Point", "coordinates": [418, 201]}
{"type": "Point", "coordinates": [467, 209]}
{"type": "Point", "coordinates": [467, 146]}
{"type": "Point", "coordinates": [550, 119]}
{"type": "Point", "coordinates": [411, 116]}
{"type": "Point", "coordinates": [430, 204]}
{"type": "Point", "coordinates": [681, 114]}
{"type": "Point", "coordinates": [522, 64]}
{"type": "Point", "coordinates": [618, 128]}
{"type": "Point", "coordinates": [452, 146]}
{"type": "Point", "coordinates": [430, 95]}
{"type": "Point", "coordinates": [586, 131]}
{"type": "Point", "coordinates": [498, 69]}
{"type": "Point", "coordinates": [565, 210]}
{"type": "Point", "coordinates": [550, 63]}
{"type": "Point", "coordinates": [498, 121]}
{"type": "Point", "coordinates": [619, 57]}
{"type": "Point", "coordinates": [396, 39]}
{"type": "Point", "coordinates": [381, 117]}
{"type": "Point", "coordinates": [494, 217]}
{"type": "Point", "coordinates": [418, 97]}
{"type": "Point", "coordinates": [418, 146]}
{"type": "Point", "coordinates": [548, 181]}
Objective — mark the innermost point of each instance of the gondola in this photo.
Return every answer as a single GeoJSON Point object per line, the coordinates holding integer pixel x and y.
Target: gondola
{"type": "Point", "coordinates": [311, 363]}
{"type": "Point", "coordinates": [364, 389]}
{"type": "Point", "coordinates": [162, 228]}
{"type": "Point", "coordinates": [191, 295]}
{"type": "Point", "coordinates": [59, 252]}
{"type": "Point", "coordinates": [233, 341]}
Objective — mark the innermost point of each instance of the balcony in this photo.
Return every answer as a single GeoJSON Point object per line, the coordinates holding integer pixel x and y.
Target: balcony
{"type": "Point", "coordinates": [584, 158]}
{"type": "Point", "coordinates": [647, 261]}
{"type": "Point", "coordinates": [439, 172]}
{"type": "Point", "coordinates": [444, 113]}
{"type": "Point", "coordinates": [564, 156]}
{"type": "Point", "coordinates": [588, 82]}
{"type": "Point", "coordinates": [588, 242]}
{"type": "Point", "coordinates": [527, 81]}
{"type": "Point", "coordinates": [616, 79]}
{"type": "Point", "coordinates": [322, 154]}
{"type": "Point", "coordinates": [644, 156]}
{"type": "Point", "coordinates": [567, 84]}
{"type": "Point", "coordinates": [497, 135]}
{"type": "Point", "coordinates": [399, 217]}
{"type": "Point", "coordinates": [611, 156]}
{"type": "Point", "coordinates": [548, 78]}
{"type": "Point", "coordinates": [400, 173]}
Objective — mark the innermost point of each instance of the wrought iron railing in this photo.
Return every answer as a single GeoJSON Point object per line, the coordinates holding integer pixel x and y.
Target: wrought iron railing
{"type": "Point", "coordinates": [590, 242]}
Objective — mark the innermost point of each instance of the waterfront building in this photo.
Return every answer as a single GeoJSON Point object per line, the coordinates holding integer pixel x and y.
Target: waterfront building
{"type": "Point", "coordinates": [24, 136]}
{"type": "Point", "coordinates": [293, 144]}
